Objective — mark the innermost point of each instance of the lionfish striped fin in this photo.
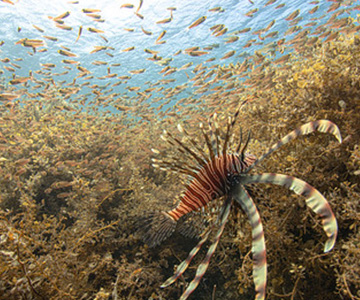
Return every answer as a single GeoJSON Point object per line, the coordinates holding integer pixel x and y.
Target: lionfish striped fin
{"type": "Point", "coordinates": [193, 142]}
{"type": "Point", "coordinates": [240, 194]}
{"type": "Point", "coordinates": [314, 200]}
{"type": "Point", "coordinates": [205, 263]}
{"type": "Point", "coordinates": [155, 227]}
{"type": "Point", "coordinates": [184, 265]}
{"type": "Point", "coordinates": [325, 126]}
{"type": "Point", "coordinates": [208, 142]}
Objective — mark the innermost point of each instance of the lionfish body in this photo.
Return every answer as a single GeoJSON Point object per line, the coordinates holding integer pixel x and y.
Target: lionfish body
{"type": "Point", "coordinates": [210, 183]}
{"type": "Point", "coordinates": [221, 171]}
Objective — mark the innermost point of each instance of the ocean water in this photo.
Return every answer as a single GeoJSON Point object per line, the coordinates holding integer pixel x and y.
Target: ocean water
{"type": "Point", "coordinates": [86, 91]}
{"type": "Point", "coordinates": [121, 29]}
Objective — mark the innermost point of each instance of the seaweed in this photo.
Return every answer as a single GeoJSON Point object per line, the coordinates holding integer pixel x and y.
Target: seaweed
{"type": "Point", "coordinates": [73, 184]}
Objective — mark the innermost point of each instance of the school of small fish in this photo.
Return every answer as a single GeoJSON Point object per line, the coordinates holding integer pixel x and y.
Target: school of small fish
{"type": "Point", "coordinates": [143, 64]}
{"type": "Point", "coordinates": [173, 81]}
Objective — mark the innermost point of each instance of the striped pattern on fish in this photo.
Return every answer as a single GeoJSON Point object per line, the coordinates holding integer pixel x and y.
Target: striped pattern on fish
{"type": "Point", "coordinates": [219, 172]}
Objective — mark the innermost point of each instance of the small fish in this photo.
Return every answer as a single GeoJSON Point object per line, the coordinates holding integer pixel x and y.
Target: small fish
{"type": "Point", "coordinates": [293, 15]}
{"type": "Point", "coordinates": [99, 63]}
{"type": "Point", "coordinates": [5, 60]}
{"type": "Point", "coordinates": [38, 28]}
{"type": "Point", "coordinates": [128, 49]}
{"type": "Point", "coordinates": [192, 49]}
{"type": "Point", "coordinates": [90, 10]}
{"type": "Point", "coordinates": [334, 6]}
{"type": "Point", "coordinates": [271, 24]}
{"type": "Point", "coordinates": [104, 38]}
{"type": "Point", "coordinates": [231, 39]}
{"type": "Point", "coordinates": [160, 36]}
{"type": "Point", "coordinates": [51, 38]}
{"type": "Point", "coordinates": [10, 69]}
{"type": "Point", "coordinates": [137, 71]}
{"type": "Point", "coordinates": [64, 27]}
{"type": "Point", "coordinates": [251, 12]}
{"type": "Point", "coordinates": [66, 53]}
{"type": "Point", "coordinates": [94, 16]}
{"type": "Point", "coordinates": [62, 16]}
{"type": "Point", "coordinates": [146, 31]}
{"type": "Point", "coordinates": [95, 30]}
{"type": "Point", "coordinates": [8, 96]}
{"type": "Point", "coordinates": [140, 4]}
{"type": "Point", "coordinates": [197, 22]}
{"type": "Point", "coordinates": [151, 51]}
{"type": "Point", "coordinates": [197, 53]}
{"type": "Point", "coordinates": [282, 59]}
{"type": "Point", "coordinates": [139, 15]}
{"type": "Point", "coordinates": [18, 80]}
{"type": "Point", "coordinates": [79, 33]}
{"type": "Point", "coordinates": [127, 5]}
{"type": "Point", "coordinates": [270, 2]}
{"type": "Point", "coordinates": [168, 20]}
{"type": "Point", "coordinates": [48, 65]}
{"type": "Point", "coordinates": [129, 29]}
{"type": "Point", "coordinates": [8, 2]}
{"type": "Point", "coordinates": [66, 48]}
{"type": "Point", "coordinates": [216, 9]}
{"type": "Point", "coordinates": [313, 10]}
{"type": "Point", "coordinates": [228, 54]}
{"type": "Point", "coordinates": [221, 32]}
{"type": "Point", "coordinates": [69, 62]}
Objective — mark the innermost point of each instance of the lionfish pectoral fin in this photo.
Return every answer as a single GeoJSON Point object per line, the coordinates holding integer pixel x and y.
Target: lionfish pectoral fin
{"type": "Point", "coordinates": [240, 195]}
{"type": "Point", "coordinates": [156, 227]}
{"type": "Point", "coordinates": [324, 126]}
{"type": "Point", "coordinates": [314, 200]}
{"type": "Point", "coordinates": [224, 214]}
{"type": "Point", "coordinates": [191, 225]}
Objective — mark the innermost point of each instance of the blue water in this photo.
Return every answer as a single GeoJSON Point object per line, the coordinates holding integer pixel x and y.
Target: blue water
{"type": "Point", "coordinates": [25, 14]}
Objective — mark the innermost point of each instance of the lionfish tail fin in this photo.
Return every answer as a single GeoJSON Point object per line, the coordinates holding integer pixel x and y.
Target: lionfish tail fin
{"type": "Point", "coordinates": [155, 227]}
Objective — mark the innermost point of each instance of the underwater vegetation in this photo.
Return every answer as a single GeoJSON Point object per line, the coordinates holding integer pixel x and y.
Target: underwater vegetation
{"type": "Point", "coordinates": [72, 186]}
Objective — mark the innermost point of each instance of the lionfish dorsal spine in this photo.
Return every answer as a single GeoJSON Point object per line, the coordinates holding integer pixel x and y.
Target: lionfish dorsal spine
{"type": "Point", "coordinates": [208, 142]}
{"type": "Point", "coordinates": [193, 142]}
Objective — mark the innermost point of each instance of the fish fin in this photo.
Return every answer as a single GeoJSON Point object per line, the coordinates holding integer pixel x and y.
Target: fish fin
{"type": "Point", "coordinates": [155, 227]}
{"type": "Point", "coordinates": [191, 225]}
{"type": "Point", "coordinates": [223, 216]}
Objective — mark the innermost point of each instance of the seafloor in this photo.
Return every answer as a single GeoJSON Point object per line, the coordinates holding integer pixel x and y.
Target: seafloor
{"type": "Point", "coordinates": [73, 185]}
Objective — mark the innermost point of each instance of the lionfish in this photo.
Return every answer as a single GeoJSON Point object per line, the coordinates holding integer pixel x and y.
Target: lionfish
{"type": "Point", "coordinates": [221, 171]}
